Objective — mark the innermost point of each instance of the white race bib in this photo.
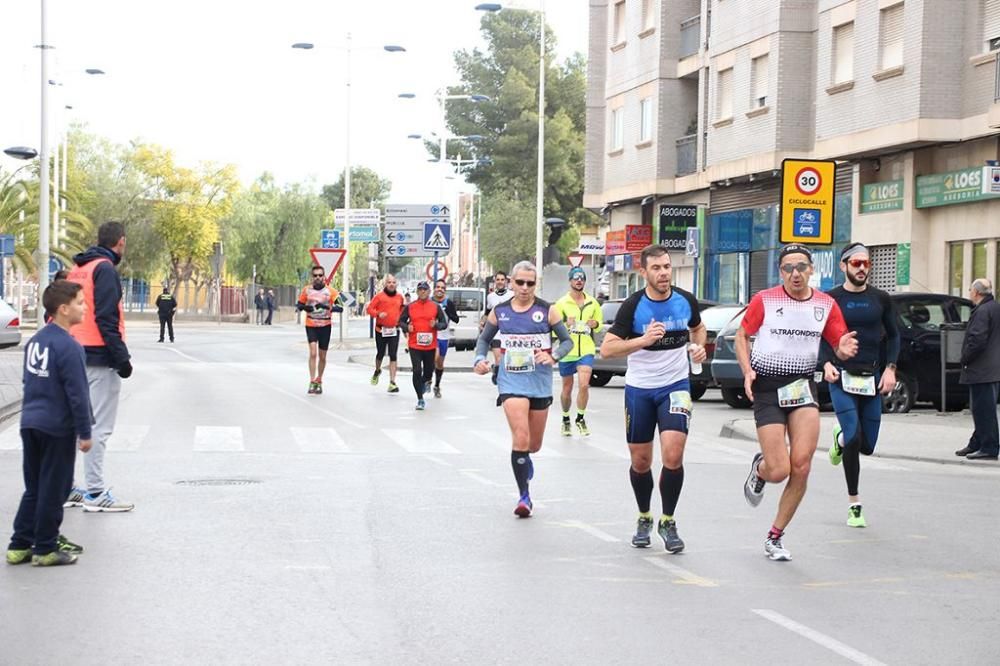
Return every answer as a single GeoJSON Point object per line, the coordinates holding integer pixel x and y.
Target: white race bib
{"type": "Point", "coordinates": [519, 360]}
{"type": "Point", "coordinates": [858, 384]}
{"type": "Point", "coordinates": [425, 338]}
{"type": "Point", "coordinates": [580, 327]}
{"type": "Point", "coordinates": [680, 403]}
{"type": "Point", "coordinates": [388, 332]}
{"type": "Point", "coordinates": [795, 394]}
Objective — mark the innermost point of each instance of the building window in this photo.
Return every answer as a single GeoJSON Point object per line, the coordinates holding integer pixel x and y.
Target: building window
{"type": "Point", "coordinates": [759, 85]}
{"type": "Point", "coordinates": [991, 24]}
{"type": "Point", "coordinates": [956, 265]}
{"type": "Point", "coordinates": [843, 53]}
{"type": "Point", "coordinates": [978, 260]}
{"type": "Point", "coordinates": [648, 14]}
{"type": "Point", "coordinates": [618, 36]}
{"type": "Point", "coordinates": [617, 129]}
{"type": "Point", "coordinates": [646, 119]}
{"type": "Point", "coordinates": [724, 95]}
{"type": "Point", "coordinates": [891, 37]}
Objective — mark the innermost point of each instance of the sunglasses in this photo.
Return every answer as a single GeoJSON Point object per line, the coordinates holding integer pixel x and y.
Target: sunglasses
{"type": "Point", "coordinates": [801, 267]}
{"type": "Point", "coordinates": [524, 283]}
{"type": "Point", "coordinates": [578, 279]}
{"type": "Point", "coordinates": [316, 275]}
{"type": "Point", "coordinates": [859, 263]}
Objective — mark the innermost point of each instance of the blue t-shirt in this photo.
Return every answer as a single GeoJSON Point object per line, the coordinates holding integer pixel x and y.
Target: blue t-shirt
{"type": "Point", "coordinates": [521, 335]}
{"type": "Point", "coordinates": [56, 393]}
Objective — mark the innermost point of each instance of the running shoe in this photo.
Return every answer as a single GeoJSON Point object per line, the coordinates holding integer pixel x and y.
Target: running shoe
{"type": "Point", "coordinates": [855, 518]}
{"type": "Point", "coordinates": [105, 503]}
{"type": "Point", "coordinates": [18, 556]}
{"type": "Point", "coordinates": [75, 498]}
{"type": "Point", "coordinates": [836, 453]}
{"type": "Point", "coordinates": [312, 388]}
{"type": "Point", "coordinates": [427, 388]}
{"type": "Point", "coordinates": [567, 428]}
{"type": "Point", "coordinates": [421, 405]}
{"type": "Point", "coordinates": [319, 387]}
{"type": "Point", "coordinates": [581, 425]}
{"type": "Point", "coordinates": [774, 550]}
{"type": "Point", "coordinates": [523, 508]}
{"type": "Point", "coordinates": [643, 530]}
{"type": "Point", "coordinates": [753, 489]}
{"type": "Point", "coordinates": [67, 546]}
{"type": "Point", "coordinates": [437, 391]}
{"type": "Point", "coordinates": [668, 532]}
{"type": "Point", "coordinates": [375, 376]}
{"type": "Point", "coordinates": [393, 388]}
{"type": "Point", "coordinates": [54, 559]}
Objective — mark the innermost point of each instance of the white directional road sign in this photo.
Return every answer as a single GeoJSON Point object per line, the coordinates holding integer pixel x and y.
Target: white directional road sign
{"type": "Point", "coordinates": [417, 210]}
{"type": "Point", "coordinates": [414, 235]}
{"type": "Point", "coordinates": [358, 216]}
{"type": "Point", "coordinates": [406, 250]}
{"type": "Point", "coordinates": [405, 226]}
{"type": "Point", "coordinates": [437, 236]}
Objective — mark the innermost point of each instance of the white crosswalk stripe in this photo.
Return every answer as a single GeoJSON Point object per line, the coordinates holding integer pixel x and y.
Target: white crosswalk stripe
{"type": "Point", "coordinates": [319, 440]}
{"type": "Point", "coordinates": [415, 442]}
{"type": "Point", "coordinates": [218, 438]}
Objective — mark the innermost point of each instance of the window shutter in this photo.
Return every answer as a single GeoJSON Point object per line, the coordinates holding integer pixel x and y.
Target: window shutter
{"type": "Point", "coordinates": [646, 119]}
{"type": "Point", "coordinates": [843, 53]}
{"type": "Point", "coordinates": [891, 29]}
{"type": "Point", "coordinates": [760, 76]}
{"type": "Point", "coordinates": [725, 94]}
{"type": "Point", "coordinates": [991, 20]}
{"type": "Point", "coordinates": [619, 23]}
{"type": "Point", "coordinates": [617, 128]}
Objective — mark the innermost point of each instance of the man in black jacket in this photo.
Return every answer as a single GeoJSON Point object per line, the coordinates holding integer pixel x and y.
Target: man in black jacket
{"type": "Point", "coordinates": [981, 371]}
{"type": "Point", "coordinates": [166, 306]}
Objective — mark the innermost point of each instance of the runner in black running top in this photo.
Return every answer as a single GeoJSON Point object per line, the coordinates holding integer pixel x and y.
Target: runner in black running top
{"type": "Point", "coordinates": [855, 385]}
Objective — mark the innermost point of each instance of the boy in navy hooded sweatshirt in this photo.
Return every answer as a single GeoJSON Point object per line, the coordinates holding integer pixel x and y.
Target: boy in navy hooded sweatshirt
{"type": "Point", "coordinates": [55, 416]}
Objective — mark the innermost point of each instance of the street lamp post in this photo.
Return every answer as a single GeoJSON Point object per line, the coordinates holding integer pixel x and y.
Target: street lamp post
{"type": "Point", "coordinates": [43, 173]}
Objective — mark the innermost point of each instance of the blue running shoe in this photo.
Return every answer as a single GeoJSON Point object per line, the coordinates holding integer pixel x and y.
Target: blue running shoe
{"type": "Point", "coordinates": [421, 404]}
{"type": "Point", "coordinates": [523, 508]}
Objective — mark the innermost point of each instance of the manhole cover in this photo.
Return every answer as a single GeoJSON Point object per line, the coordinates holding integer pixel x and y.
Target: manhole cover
{"type": "Point", "coordinates": [217, 482]}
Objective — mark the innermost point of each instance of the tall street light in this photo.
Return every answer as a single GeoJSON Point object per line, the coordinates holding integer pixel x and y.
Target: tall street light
{"type": "Point", "coordinates": [539, 188]}
{"type": "Point", "coordinates": [348, 47]}
{"type": "Point", "coordinates": [43, 172]}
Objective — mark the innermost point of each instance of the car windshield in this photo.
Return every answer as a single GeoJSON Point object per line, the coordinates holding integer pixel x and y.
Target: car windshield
{"type": "Point", "coordinates": [467, 300]}
{"type": "Point", "coordinates": [717, 317]}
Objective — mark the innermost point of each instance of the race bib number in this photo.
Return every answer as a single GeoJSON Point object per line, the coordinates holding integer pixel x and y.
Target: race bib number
{"type": "Point", "coordinates": [858, 384]}
{"type": "Point", "coordinates": [795, 394]}
{"type": "Point", "coordinates": [425, 338]}
{"type": "Point", "coordinates": [519, 360]}
{"type": "Point", "coordinates": [680, 403]}
{"type": "Point", "coordinates": [389, 332]}
{"type": "Point", "coordinates": [580, 327]}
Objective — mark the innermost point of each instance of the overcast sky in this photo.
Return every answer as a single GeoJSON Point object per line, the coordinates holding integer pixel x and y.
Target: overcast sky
{"type": "Point", "coordinates": [217, 80]}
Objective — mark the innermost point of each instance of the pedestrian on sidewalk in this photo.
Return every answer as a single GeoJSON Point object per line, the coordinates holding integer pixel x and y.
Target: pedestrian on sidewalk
{"type": "Point", "coordinates": [102, 335]}
{"type": "Point", "coordinates": [271, 306]}
{"type": "Point", "coordinates": [259, 302]}
{"type": "Point", "coordinates": [166, 306]}
{"type": "Point", "coordinates": [981, 372]}
{"type": "Point", "coordinates": [55, 415]}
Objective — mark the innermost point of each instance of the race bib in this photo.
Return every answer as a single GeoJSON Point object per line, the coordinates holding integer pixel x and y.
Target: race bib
{"type": "Point", "coordinates": [425, 338]}
{"type": "Point", "coordinates": [795, 394]}
{"type": "Point", "coordinates": [580, 327]}
{"type": "Point", "coordinates": [389, 332]}
{"type": "Point", "coordinates": [858, 384]}
{"type": "Point", "coordinates": [519, 360]}
{"type": "Point", "coordinates": [680, 403]}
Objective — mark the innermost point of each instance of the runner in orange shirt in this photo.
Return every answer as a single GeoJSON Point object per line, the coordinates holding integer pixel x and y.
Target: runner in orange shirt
{"type": "Point", "coordinates": [319, 302]}
{"type": "Point", "coordinates": [385, 309]}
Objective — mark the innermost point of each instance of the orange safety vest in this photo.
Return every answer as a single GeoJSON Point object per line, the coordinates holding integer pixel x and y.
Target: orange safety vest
{"type": "Point", "coordinates": [86, 332]}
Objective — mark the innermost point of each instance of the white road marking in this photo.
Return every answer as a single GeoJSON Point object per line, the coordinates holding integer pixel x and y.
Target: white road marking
{"type": "Point", "coordinates": [592, 531]}
{"type": "Point", "coordinates": [218, 438]}
{"type": "Point", "coordinates": [456, 417]}
{"type": "Point", "coordinates": [416, 442]}
{"type": "Point", "coordinates": [686, 576]}
{"type": "Point", "coordinates": [438, 461]}
{"type": "Point", "coordinates": [128, 437]}
{"type": "Point", "coordinates": [472, 474]}
{"type": "Point", "coordinates": [319, 440]}
{"type": "Point", "coordinates": [182, 354]}
{"type": "Point", "coordinates": [819, 638]}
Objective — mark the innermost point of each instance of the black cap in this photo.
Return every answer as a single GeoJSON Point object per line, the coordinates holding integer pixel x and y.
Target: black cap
{"type": "Point", "coordinates": [795, 248]}
{"type": "Point", "coordinates": [423, 285]}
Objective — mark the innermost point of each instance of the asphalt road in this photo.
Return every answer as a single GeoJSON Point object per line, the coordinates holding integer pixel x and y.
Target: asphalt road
{"type": "Point", "coordinates": [276, 527]}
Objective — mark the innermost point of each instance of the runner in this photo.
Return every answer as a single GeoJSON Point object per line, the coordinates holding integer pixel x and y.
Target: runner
{"type": "Point", "coordinates": [386, 308]}
{"type": "Point", "coordinates": [525, 324]}
{"type": "Point", "coordinates": [657, 328]}
{"type": "Point", "coordinates": [444, 335]}
{"type": "Point", "coordinates": [319, 302]}
{"type": "Point", "coordinates": [855, 385]}
{"type": "Point", "coordinates": [582, 315]}
{"type": "Point", "coordinates": [500, 294]}
{"type": "Point", "coordinates": [422, 319]}
{"type": "Point", "coordinates": [789, 321]}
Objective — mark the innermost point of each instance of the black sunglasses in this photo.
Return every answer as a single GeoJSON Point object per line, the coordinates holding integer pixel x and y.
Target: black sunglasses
{"type": "Point", "coordinates": [524, 283]}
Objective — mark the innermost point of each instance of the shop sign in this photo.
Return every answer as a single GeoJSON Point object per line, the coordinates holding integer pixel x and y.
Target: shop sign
{"type": "Point", "coordinates": [878, 197]}
{"type": "Point", "coordinates": [951, 187]}
{"type": "Point", "coordinates": [674, 223]}
{"type": "Point", "coordinates": [637, 237]}
{"type": "Point", "coordinates": [614, 243]}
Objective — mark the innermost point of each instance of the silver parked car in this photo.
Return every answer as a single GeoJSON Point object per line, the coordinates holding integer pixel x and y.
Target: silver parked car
{"type": "Point", "coordinates": [10, 326]}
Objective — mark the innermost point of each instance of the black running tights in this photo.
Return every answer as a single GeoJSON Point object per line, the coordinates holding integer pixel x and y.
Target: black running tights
{"type": "Point", "coordinates": [423, 369]}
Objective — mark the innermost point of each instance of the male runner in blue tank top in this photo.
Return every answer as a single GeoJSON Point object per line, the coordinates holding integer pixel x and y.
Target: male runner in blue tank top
{"type": "Point", "coordinates": [855, 384]}
{"type": "Point", "coordinates": [656, 328]}
{"type": "Point", "coordinates": [525, 324]}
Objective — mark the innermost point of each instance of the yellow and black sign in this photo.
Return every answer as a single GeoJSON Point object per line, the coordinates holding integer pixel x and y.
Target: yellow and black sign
{"type": "Point", "coordinates": [807, 188]}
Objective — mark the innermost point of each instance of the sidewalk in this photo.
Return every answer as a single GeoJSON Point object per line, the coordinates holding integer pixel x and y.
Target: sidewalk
{"type": "Point", "coordinates": [925, 436]}
{"type": "Point", "coordinates": [10, 382]}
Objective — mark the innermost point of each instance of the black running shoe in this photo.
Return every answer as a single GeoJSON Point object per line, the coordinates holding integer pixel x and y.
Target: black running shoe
{"type": "Point", "coordinates": [643, 530]}
{"type": "Point", "coordinates": [668, 532]}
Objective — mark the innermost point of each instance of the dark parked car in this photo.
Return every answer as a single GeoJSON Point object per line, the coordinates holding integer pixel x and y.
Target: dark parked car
{"type": "Point", "coordinates": [713, 315]}
{"type": "Point", "coordinates": [920, 318]}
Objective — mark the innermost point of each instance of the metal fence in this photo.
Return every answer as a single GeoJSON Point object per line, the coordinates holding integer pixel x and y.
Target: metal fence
{"type": "Point", "coordinates": [687, 154]}
{"type": "Point", "coordinates": [690, 36]}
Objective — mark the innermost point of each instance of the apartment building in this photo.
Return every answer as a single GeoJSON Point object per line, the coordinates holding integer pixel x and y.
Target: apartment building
{"type": "Point", "coordinates": [693, 104]}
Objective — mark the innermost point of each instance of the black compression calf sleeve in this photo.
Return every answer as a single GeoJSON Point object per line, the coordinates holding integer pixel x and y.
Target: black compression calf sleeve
{"type": "Point", "coordinates": [852, 469]}
{"type": "Point", "coordinates": [437, 376]}
{"type": "Point", "coordinates": [521, 462]}
{"type": "Point", "coordinates": [671, 482]}
{"type": "Point", "coordinates": [642, 486]}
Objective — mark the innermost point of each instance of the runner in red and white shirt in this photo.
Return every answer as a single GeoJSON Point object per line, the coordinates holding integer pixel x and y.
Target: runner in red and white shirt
{"type": "Point", "coordinates": [788, 320]}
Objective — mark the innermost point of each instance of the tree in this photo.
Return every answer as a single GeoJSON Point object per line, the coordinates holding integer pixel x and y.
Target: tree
{"type": "Point", "coordinates": [367, 187]}
{"type": "Point", "coordinates": [507, 230]}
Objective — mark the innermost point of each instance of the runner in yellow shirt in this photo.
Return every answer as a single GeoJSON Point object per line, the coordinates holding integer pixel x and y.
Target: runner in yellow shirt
{"type": "Point", "coordinates": [582, 315]}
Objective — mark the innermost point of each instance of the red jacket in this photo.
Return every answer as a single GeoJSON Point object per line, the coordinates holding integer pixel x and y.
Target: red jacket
{"type": "Point", "coordinates": [427, 319]}
{"type": "Point", "coordinates": [392, 306]}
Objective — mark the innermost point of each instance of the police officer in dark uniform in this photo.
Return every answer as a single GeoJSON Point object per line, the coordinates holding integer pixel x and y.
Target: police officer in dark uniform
{"type": "Point", "coordinates": [166, 306]}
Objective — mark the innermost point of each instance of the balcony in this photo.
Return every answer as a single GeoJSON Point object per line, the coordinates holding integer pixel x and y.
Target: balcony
{"type": "Point", "coordinates": [690, 37]}
{"type": "Point", "coordinates": [687, 155]}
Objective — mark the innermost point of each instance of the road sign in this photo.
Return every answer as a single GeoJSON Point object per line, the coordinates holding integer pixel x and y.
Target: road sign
{"type": "Point", "coordinates": [807, 188]}
{"type": "Point", "coordinates": [7, 245]}
{"type": "Point", "coordinates": [442, 270]}
{"type": "Point", "coordinates": [358, 216]}
{"type": "Point", "coordinates": [591, 247]}
{"type": "Point", "coordinates": [362, 233]}
{"type": "Point", "coordinates": [991, 179]}
{"type": "Point", "coordinates": [417, 210]}
{"type": "Point", "coordinates": [329, 259]}
{"type": "Point", "coordinates": [404, 235]}
{"type": "Point", "coordinates": [437, 236]}
{"type": "Point", "coordinates": [405, 250]}
{"type": "Point", "coordinates": [575, 259]}
{"type": "Point", "coordinates": [329, 239]}
{"type": "Point", "coordinates": [691, 248]}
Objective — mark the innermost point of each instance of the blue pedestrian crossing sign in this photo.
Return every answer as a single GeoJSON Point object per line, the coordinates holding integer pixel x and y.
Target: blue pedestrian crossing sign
{"type": "Point", "coordinates": [437, 236]}
{"type": "Point", "coordinates": [330, 239]}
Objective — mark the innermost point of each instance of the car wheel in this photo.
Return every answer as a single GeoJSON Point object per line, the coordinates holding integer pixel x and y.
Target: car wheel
{"type": "Point", "coordinates": [902, 398]}
{"type": "Point", "coordinates": [599, 378]}
{"type": "Point", "coordinates": [736, 398]}
{"type": "Point", "coordinates": [698, 390]}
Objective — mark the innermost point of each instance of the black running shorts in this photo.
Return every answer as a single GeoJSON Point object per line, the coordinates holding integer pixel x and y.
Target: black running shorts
{"type": "Point", "coordinates": [320, 335]}
{"type": "Point", "coordinates": [766, 410]}
{"type": "Point", "coordinates": [388, 344]}
{"type": "Point", "coordinates": [534, 404]}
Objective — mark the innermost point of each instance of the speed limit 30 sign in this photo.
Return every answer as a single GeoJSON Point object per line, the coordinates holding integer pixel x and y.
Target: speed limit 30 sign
{"type": "Point", "coordinates": [807, 192]}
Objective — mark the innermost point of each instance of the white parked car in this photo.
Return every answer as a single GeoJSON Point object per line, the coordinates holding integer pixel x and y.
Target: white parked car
{"type": "Point", "coordinates": [10, 326]}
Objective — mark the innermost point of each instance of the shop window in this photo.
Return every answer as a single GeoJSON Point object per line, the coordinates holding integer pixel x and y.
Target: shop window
{"type": "Point", "coordinates": [956, 265]}
{"type": "Point", "coordinates": [978, 260]}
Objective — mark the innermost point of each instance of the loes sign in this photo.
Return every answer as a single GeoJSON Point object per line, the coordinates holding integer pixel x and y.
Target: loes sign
{"type": "Point", "coordinates": [674, 223]}
{"type": "Point", "coordinates": [878, 197]}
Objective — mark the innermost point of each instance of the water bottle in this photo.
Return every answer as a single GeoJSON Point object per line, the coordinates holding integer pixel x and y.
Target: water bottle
{"type": "Point", "coordinates": [695, 367]}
